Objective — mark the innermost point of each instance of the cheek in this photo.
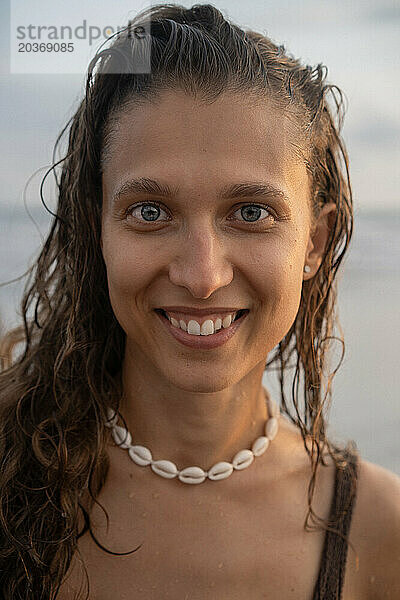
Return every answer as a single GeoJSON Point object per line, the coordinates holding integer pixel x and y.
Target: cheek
{"type": "Point", "coordinates": [130, 269]}
{"type": "Point", "coordinates": [274, 272]}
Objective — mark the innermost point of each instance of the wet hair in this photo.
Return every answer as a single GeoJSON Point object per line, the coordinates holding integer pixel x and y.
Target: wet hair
{"type": "Point", "coordinates": [61, 367]}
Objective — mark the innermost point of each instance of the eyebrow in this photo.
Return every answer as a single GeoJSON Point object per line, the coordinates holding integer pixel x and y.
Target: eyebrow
{"type": "Point", "coordinates": [144, 185]}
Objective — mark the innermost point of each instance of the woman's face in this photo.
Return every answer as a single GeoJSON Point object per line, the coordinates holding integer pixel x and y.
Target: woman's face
{"type": "Point", "coordinates": [227, 228]}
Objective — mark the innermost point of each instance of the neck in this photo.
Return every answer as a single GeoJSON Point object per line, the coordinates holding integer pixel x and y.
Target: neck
{"type": "Point", "coordinates": [187, 426]}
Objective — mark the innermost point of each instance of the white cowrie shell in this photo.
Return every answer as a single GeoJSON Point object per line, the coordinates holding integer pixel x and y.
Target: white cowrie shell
{"type": "Point", "coordinates": [192, 475]}
{"type": "Point", "coordinates": [121, 436]}
{"type": "Point", "coordinates": [260, 446]}
{"type": "Point", "coordinates": [165, 468]}
{"type": "Point", "coordinates": [243, 459]}
{"type": "Point", "coordinates": [221, 470]}
{"type": "Point", "coordinates": [112, 417]}
{"type": "Point", "coordinates": [271, 428]}
{"type": "Point", "coordinates": [273, 408]}
{"type": "Point", "coordinates": [140, 455]}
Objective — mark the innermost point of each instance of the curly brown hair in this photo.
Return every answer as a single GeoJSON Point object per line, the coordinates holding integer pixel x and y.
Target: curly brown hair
{"type": "Point", "coordinates": [54, 391]}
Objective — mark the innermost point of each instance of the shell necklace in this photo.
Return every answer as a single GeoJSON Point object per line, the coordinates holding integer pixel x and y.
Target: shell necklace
{"type": "Point", "coordinates": [221, 470]}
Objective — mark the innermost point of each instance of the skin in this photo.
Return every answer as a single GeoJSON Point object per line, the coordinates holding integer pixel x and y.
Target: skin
{"type": "Point", "coordinates": [216, 540]}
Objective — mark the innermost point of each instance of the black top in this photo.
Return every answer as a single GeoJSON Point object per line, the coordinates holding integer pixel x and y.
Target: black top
{"type": "Point", "coordinates": [329, 585]}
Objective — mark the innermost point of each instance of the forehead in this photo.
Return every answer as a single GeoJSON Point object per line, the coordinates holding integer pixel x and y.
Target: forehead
{"type": "Point", "coordinates": [192, 144]}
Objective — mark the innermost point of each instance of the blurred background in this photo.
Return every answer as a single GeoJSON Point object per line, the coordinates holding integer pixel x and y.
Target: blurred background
{"type": "Point", "coordinates": [359, 41]}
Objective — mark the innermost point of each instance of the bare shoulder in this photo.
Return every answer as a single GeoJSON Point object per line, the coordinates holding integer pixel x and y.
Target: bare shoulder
{"type": "Point", "coordinates": [376, 530]}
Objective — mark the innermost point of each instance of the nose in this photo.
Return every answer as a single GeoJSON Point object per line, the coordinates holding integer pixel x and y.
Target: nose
{"type": "Point", "coordinates": [201, 265]}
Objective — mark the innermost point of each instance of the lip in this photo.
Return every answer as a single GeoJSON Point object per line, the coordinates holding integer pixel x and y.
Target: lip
{"type": "Point", "coordinates": [201, 312]}
{"type": "Point", "coordinates": [202, 342]}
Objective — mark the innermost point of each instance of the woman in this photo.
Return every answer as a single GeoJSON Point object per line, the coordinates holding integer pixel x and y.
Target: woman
{"type": "Point", "coordinates": [204, 210]}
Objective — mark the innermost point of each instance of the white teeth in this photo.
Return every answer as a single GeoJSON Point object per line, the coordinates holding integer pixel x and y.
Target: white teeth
{"type": "Point", "coordinates": [207, 327]}
{"type": "Point", "coordinates": [193, 328]}
{"type": "Point", "coordinates": [227, 321]}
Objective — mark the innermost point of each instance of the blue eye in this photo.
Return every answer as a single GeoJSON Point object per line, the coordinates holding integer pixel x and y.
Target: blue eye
{"type": "Point", "coordinates": [148, 212]}
{"type": "Point", "coordinates": [251, 213]}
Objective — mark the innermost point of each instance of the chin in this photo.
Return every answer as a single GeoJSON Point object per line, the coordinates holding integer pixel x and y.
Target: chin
{"type": "Point", "coordinates": [200, 382]}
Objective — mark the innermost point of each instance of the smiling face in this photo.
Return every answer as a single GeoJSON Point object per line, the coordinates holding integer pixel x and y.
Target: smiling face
{"type": "Point", "coordinates": [204, 206]}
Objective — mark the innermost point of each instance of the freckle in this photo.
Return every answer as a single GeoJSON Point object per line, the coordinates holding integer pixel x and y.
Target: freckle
{"type": "Point", "coordinates": [131, 475]}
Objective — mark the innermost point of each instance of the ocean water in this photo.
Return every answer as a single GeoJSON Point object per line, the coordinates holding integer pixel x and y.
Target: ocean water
{"type": "Point", "coordinates": [366, 398]}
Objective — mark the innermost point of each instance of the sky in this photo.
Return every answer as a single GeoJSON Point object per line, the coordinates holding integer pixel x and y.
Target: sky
{"type": "Point", "coordinates": [358, 40]}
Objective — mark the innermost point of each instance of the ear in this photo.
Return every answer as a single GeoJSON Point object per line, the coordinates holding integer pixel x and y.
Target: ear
{"type": "Point", "coordinates": [318, 238]}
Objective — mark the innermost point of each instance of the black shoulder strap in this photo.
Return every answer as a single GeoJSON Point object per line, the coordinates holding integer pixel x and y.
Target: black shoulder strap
{"type": "Point", "coordinates": [329, 585]}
